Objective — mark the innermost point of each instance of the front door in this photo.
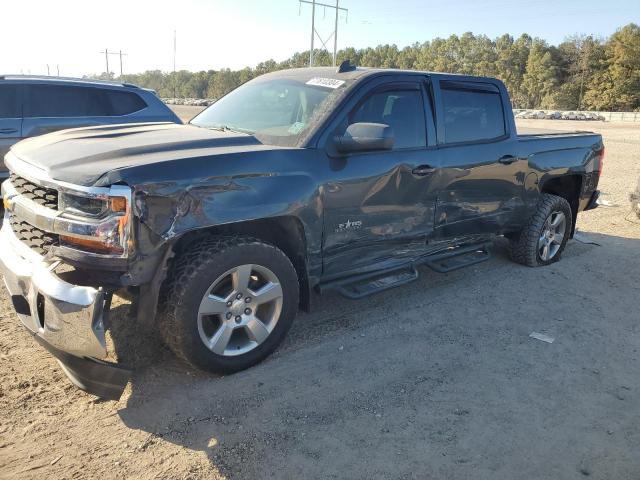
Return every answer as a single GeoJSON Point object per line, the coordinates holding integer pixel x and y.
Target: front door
{"type": "Point", "coordinates": [378, 206]}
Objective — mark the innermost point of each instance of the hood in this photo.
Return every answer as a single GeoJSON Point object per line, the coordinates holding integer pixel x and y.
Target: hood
{"type": "Point", "coordinates": [81, 156]}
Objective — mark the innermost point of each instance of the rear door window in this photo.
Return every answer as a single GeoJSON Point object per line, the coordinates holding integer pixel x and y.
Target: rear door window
{"type": "Point", "coordinates": [70, 101]}
{"type": "Point", "coordinates": [10, 102]}
{"type": "Point", "coordinates": [402, 110]}
{"type": "Point", "coordinates": [57, 101]}
{"type": "Point", "coordinates": [123, 103]}
{"type": "Point", "coordinates": [472, 112]}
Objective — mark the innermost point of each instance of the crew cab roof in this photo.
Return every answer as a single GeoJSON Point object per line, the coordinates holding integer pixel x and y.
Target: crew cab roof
{"type": "Point", "coordinates": [358, 73]}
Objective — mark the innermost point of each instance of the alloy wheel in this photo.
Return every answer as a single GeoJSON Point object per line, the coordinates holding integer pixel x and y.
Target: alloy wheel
{"type": "Point", "coordinates": [552, 236]}
{"type": "Point", "coordinates": [240, 310]}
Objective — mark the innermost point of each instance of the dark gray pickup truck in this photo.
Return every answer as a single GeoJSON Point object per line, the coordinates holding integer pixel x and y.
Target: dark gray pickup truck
{"type": "Point", "coordinates": [295, 183]}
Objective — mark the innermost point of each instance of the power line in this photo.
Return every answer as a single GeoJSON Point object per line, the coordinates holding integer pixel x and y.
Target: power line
{"type": "Point", "coordinates": [314, 32]}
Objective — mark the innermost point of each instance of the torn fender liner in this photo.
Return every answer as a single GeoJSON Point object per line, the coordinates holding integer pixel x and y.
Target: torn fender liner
{"type": "Point", "coordinates": [102, 379]}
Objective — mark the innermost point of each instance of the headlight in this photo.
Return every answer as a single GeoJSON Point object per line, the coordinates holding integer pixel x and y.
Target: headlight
{"type": "Point", "coordinates": [98, 222]}
{"type": "Point", "coordinates": [83, 205]}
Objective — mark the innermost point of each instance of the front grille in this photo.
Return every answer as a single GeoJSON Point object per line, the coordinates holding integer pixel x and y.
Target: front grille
{"type": "Point", "coordinates": [36, 239]}
{"type": "Point", "coordinates": [47, 197]}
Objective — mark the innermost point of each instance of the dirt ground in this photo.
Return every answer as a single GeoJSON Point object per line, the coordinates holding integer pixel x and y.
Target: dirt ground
{"type": "Point", "coordinates": [435, 380]}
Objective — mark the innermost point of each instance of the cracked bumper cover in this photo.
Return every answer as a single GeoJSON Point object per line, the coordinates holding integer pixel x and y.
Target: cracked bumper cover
{"type": "Point", "coordinates": [68, 320]}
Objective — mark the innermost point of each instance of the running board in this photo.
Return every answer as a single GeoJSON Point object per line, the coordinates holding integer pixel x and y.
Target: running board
{"type": "Point", "coordinates": [365, 284]}
{"type": "Point", "coordinates": [455, 258]}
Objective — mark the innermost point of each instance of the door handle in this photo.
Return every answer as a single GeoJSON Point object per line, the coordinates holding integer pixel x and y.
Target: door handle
{"type": "Point", "coordinates": [423, 170]}
{"type": "Point", "coordinates": [507, 159]}
{"type": "Point", "coordinates": [8, 130]}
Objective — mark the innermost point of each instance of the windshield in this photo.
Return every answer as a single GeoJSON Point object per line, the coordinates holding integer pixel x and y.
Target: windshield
{"type": "Point", "coordinates": [276, 111]}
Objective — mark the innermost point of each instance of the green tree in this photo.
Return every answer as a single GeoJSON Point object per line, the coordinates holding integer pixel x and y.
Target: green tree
{"type": "Point", "coordinates": [408, 57]}
{"type": "Point", "coordinates": [539, 79]}
{"type": "Point", "coordinates": [581, 72]}
{"type": "Point", "coordinates": [617, 85]}
{"type": "Point", "coordinates": [580, 58]}
{"type": "Point", "coordinates": [221, 83]}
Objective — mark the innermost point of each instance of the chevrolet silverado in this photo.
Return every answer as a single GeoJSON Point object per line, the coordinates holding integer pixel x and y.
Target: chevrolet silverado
{"type": "Point", "coordinates": [295, 183]}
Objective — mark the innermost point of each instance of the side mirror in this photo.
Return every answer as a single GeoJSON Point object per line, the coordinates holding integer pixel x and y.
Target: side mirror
{"type": "Point", "coordinates": [362, 137]}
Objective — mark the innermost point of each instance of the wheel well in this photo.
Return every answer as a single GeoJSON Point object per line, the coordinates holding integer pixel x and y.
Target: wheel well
{"type": "Point", "coordinates": [567, 187]}
{"type": "Point", "coordinates": [286, 233]}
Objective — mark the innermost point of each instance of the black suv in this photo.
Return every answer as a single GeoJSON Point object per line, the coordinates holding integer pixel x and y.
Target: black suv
{"type": "Point", "coordinates": [31, 106]}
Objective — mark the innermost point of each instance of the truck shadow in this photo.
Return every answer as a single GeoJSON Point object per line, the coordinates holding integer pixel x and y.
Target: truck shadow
{"type": "Point", "coordinates": [275, 410]}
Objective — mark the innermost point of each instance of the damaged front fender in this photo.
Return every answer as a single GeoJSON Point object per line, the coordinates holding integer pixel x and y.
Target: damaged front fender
{"type": "Point", "coordinates": [197, 200]}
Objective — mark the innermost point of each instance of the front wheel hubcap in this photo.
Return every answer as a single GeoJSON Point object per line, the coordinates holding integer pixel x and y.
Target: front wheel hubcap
{"type": "Point", "coordinates": [225, 324]}
{"type": "Point", "coordinates": [552, 236]}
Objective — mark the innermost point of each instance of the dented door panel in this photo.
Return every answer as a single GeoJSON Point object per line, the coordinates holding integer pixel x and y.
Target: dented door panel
{"type": "Point", "coordinates": [477, 193]}
{"type": "Point", "coordinates": [379, 206]}
{"type": "Point", "coordinates": [482, 172]}
{"type": "Point", "coordinates": [377, 209]}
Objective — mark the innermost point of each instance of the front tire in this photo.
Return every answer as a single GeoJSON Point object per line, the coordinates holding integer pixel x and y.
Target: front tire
{"type": "Point", "coordinates": [228, 303]}
{"type": "Point", "coordinates": [544, 238]}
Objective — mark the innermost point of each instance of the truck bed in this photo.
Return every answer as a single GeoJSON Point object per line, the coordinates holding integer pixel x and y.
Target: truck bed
{"type": "Point", "coordinates": [528, 132]}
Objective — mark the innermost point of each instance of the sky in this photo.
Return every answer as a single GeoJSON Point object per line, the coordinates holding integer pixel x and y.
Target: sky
{"type": "Point", "coordinates": [215, 34]}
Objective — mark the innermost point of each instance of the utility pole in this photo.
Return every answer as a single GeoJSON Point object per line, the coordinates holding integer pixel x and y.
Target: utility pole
{"type": "Point", "coordinates": [583, 65]}
{"type": "Point", "coordinates": [58, 68]}
{"type": "Point", "coordinates": [106, 59]}
{"type": "Point", "coordinates": [315, 33]}
{"type": "Point", "coordinates": [121, 54]}
{"type": "Point", "coordinates": [335, 34]}
{"type": "Point", "coordinates": [47, 69]}
{"type": "Point", "coordinates": [174, 64]}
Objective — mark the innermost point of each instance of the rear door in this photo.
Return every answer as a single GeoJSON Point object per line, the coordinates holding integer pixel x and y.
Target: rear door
{"type": "Point", "coordinates": [481, 178]}
{"type": "Point", "coordinates": [10, 120]}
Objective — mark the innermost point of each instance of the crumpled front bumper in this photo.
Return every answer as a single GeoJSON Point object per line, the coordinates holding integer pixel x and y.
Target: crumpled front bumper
{"type": "Point", "coordinates": [68, 320]}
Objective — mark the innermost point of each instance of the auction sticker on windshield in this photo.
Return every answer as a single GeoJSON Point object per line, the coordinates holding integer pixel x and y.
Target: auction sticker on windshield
{"type": "Point", "coordinates": [326, 82]}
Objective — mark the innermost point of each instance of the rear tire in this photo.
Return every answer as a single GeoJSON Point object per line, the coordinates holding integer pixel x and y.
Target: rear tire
{"type": "Point", "coordinates": [228, 303]}
{"type": "Point", "coordinates": [543, 239]}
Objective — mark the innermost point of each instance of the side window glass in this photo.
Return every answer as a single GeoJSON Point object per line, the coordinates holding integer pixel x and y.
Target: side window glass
{"type": "Point", "coordinates": [123, 103]}
{"type": "Point", "coordinates": [67, 101]}
{"type": "Point", "coordinates": [472, 114]}
{"type": "Point", "coordinates": [9, 102]}
{"type": "Point", "coordinates": [57, 101]}
{"type": "Point", "coordinates": [402, 110]}
{"type": "Point", "coordinates": [97, 103]}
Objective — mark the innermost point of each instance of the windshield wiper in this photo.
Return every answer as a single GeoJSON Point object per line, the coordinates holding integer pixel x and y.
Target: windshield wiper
{"type": "Point", "coordinates": [227, 128]}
